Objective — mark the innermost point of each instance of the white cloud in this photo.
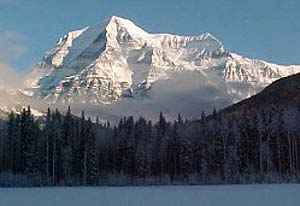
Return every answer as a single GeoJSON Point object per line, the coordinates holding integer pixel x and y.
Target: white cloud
{"type": "Point", "coordinates": [9, 77]}
{"type": "Point", "coordinates": [10, 46]}
{"type": "Point", "coordinates": [187, 93]}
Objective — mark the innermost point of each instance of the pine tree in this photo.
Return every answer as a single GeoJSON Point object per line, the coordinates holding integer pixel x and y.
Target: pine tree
{"type": "Point", "coordinates": [231, 164]}
{"type": "Point", "coordinates": [92, 161]}
{"type": "Point", "coordinates": [67, 146]}
{"type": "Point", "coordinates": [46, 146]}
{"type": "Point", "coordinates": [57, 175]}
{"type": "Point", "coordinates": [186, 158]}
{"type": "Point", "coordinates": [77, 151]}
{"type": "Point", "coordinates": [219, 152]}
{"type": "Point", "coordinates": [10, 144]}
{"type": "Point", "coordinates": [244, 150]}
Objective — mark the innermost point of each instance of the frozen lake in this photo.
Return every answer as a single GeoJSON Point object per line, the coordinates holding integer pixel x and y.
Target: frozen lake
{"type": "Point", "coordinates": [239, 195]}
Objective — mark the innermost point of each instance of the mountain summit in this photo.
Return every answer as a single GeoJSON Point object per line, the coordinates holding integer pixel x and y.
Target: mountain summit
{"type": "Point", "coordinates": [116, 59]}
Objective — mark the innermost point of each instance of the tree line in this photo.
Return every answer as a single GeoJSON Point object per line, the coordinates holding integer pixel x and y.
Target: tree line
{"type": "Point", "coordinates": [257, 146]}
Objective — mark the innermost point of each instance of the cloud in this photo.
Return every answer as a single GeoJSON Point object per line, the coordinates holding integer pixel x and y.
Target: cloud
{"type": "Point", "coordinates": [9, 78]}
{"type": "Point", "coordinates": [10, 46]}
{"type": "Point", "coordinates": [187, 93]}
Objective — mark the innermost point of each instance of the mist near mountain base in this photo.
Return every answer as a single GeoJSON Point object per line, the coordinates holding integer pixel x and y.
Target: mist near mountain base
{"type": "Point", "coordinates": [185, 93]}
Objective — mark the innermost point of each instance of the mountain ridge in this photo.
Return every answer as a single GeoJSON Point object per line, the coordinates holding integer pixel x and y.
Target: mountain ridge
{"type": "Point", "coordinates": [283, 93]}
{"type": "Point", "coordinates": [116, 59]}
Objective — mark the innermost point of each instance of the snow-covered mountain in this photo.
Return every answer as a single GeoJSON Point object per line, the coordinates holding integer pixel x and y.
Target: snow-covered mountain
{"type": "Point", "coordinates": [116, 59]}
{"type": "Point", "coordinates": [12, 101]}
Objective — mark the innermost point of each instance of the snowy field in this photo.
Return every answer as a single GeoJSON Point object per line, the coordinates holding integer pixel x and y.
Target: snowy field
{"type": "Point", "coordinates": [252, 195]}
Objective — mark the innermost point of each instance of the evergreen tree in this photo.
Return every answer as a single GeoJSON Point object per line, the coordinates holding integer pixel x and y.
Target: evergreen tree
{"type": "Point", "coordinates": [92, 165]}
{"type": "Point", "coordinates": [67, 132]}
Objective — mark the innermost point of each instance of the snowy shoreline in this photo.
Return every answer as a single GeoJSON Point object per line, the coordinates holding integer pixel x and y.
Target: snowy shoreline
{"type": "Point", "coordinates": [246, 195]}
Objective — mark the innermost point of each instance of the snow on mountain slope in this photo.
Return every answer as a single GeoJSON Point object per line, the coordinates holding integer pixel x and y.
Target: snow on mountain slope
{"type": "Point", "coordinates": [12, 100]}
{"type": "Point", "coordinates": [117, 59]}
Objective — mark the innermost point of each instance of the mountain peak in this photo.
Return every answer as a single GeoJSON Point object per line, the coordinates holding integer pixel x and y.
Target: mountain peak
{"type": "Point", "coordinates": [116, 58]}
{"type": "Point", "coordinates": [116, 24]}
{"type": "Point", "coordinates": [116, 18]}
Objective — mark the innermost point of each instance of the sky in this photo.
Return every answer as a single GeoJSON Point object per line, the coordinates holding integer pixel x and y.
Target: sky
{"type": "Point", "coordinates": [264, 29]}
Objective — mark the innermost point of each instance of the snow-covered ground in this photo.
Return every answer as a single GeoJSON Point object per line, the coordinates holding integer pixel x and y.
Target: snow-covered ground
{"type": "Point", "coordinates": [244, 195]}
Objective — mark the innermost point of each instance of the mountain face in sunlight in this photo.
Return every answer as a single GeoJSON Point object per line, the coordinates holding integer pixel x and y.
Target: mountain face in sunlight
{"type": "Point", "coordinates": [115, 68]}
{"type": "Point", "coordinates": [116, 59]}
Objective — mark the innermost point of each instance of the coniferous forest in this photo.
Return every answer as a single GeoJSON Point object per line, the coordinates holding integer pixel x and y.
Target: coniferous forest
{"type": "Point", "coordinates": [257, 146]}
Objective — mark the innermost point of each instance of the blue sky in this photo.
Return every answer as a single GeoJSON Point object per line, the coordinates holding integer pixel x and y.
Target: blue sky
{"type": "Point", "coordinates": [266, 29]}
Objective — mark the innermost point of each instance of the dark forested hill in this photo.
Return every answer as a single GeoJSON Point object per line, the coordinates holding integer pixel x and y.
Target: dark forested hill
{"type": "Point", "coordinates": [284, 93]}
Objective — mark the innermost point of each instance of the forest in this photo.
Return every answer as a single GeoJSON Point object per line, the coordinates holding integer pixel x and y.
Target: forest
{"type": "Point", "coordinates": [256, 146]}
